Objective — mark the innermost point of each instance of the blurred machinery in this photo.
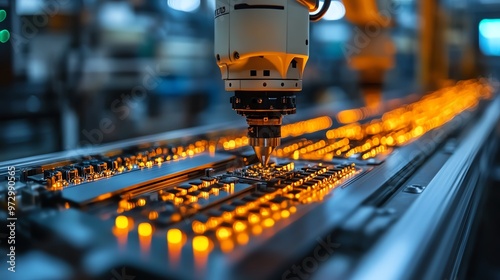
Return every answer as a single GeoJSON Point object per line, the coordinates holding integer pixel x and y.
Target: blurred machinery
{"type": "Point", "coordinates": [371, 51]}
{"type": "Point", "coordinates": [384, 173]}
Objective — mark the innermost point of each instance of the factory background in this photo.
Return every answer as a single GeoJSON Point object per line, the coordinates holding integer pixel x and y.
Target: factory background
{"type": "Point", "coordinates": [80, 73]}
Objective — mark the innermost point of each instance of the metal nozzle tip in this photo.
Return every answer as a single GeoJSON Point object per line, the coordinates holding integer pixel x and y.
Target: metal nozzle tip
{"type": "Point", "coordinates": [263, 154]}
{"type": "Point", "coordinates": [264, 147]}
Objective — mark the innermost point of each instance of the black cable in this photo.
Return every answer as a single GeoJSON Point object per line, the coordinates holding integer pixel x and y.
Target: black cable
{"type": "Point", "coordinates": [317, 16]}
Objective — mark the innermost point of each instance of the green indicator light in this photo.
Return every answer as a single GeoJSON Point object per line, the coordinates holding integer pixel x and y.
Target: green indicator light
{"type": "Point", "coordinates": [3, 15]}
{"type": "Point", "coordinates": [4, 36]}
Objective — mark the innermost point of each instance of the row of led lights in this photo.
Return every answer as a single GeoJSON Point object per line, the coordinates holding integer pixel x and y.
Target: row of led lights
{"type": "Point", "coordinates": [256, 222]}
{"type": "Point", "coordinates": [398, 126]}
{"type": "Point", "coordinates": [174, 236]}
{"type": "Point", "coordinates": [412, 121]}
{"type": "Point", "coordinates": [267, 218]}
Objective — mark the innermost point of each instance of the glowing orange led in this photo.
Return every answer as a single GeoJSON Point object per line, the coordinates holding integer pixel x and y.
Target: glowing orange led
{"type": "Point", "coordinates": [242, 238]}
{"type": "Point", "coordinates": [213, 222]}
{"type": "Point", "coordinates": [141, 202]}
{"type": "Point", "coordinates": [256, 230]}
{"type": "Point", "coordinates": [126, 205]}
{"type": "Point", "coordinates": [145, 229]}
{"type": "Point", "coordinates": [199, 227]}
{"type": "Point", "coordinates": [350, 116]}
{"type": "Point", "coordinates": [153, 215]}
{"type": "Point", "coordinates": [239, 226]}
{"type": "Point", "coordinates": [285, 214]}
{"type": "Point", "coordinates": [241, 209]}
{"type": "Point", "coordinates": [268, 222]}
{"type": "Point", "coordinates": [264, 212]}
{"type": "Point", "coordinates": [174, 236]}
{"type": "Point", "coordinates": [276, 216]}
{"type": "Point", "coordinates": [227, 245]}
{"type": "Point", "coordinates": [201, 243]}
{"type": "Point", "coordinates": [223, 233]}
{"type": "Point", "coordinates": [253, 218]}
{"type": "Point", "coordinates": [121, 222]}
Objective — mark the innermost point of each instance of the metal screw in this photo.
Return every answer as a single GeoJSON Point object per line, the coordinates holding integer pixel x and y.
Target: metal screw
{"type": "Point", "coordinates": [414, 188]}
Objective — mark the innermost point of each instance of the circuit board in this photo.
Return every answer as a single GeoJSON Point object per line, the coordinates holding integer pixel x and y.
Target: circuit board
{"type": "Point", "coordinates": [202, 207]}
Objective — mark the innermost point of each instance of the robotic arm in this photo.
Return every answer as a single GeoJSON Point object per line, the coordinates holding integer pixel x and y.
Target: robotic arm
{"type": "Point", "coordinates": [262, 47]}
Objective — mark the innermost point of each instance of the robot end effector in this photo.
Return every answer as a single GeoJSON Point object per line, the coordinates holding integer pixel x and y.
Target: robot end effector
{"type": "Point", "coordinates": [262, 47]}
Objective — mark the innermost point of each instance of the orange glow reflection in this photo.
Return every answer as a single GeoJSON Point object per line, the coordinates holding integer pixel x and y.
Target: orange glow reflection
{"type": "Point", "coordinates": [121, 236]}
{"type": "Point", "coordinates": [242, 238]}
{"type": "Point", "coordinates": [175, 241]}
{"type": "Point", "coordinates": [201, 249]}
{"type": "Point", "coordinates": [145, 244]}
{"type": "Point", "coordinates": [227, 246]}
